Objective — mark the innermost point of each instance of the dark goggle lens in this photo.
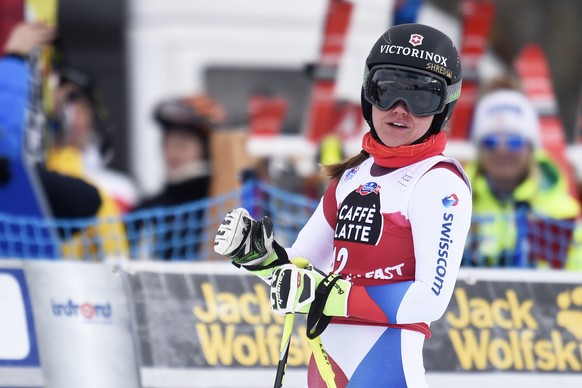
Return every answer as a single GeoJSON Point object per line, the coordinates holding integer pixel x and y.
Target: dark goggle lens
{"type": "Point", "coordinates": [514, 143]}
{"type": "Point", "coordinates": [423, 94]}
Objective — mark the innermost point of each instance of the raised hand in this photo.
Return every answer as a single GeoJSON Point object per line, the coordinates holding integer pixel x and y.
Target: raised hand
{"type": "Point", "coordinates": [26, 37]}
{"type": "Point", "coordinates": [244, 240]}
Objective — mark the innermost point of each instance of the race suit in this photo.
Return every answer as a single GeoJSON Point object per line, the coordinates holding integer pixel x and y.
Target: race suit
{"type": "Point", "coordinates": [398, 236]}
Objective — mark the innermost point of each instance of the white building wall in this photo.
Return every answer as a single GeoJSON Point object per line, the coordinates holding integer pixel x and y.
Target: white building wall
{"type": "Point", "coordinates": [170, 42]}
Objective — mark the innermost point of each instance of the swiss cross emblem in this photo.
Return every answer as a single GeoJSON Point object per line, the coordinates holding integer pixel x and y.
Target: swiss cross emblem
{"type": "Point", "coordinates": [416, 39]}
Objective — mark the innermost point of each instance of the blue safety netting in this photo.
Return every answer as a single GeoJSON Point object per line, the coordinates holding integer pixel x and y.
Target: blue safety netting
{"type": "Point", "coordinates": [184, 232]}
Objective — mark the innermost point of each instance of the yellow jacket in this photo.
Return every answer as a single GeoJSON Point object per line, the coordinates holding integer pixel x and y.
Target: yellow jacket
{"type": "Point", "coordinates": [106, 238]}
{"type": "Point", "coordinates": [496, 237]}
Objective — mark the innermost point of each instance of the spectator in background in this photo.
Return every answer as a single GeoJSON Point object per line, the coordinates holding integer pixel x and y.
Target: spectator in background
{"type": "Point", "coordinates": [81, 131]}
{"type": "Point", "coordinates": [186, 124]}
{"type": "Point", "coordinates": [65, 196]}
{"type": "Point", "coordinates": [523, 214]}
{"type": "Point", "coordinates": [75, 152]}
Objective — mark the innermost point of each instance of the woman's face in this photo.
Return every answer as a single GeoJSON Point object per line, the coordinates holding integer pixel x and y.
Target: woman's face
{"type": "Point", "coordinates": [180, 149]}
{"type": "Point", "coordinates": [505, 160]}
{"type": "Point", "coordinates": [397, 126]}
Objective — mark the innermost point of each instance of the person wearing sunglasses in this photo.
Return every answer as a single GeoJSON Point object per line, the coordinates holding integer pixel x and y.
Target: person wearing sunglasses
{"type": "Point", "coordinates": [523, 215]}
{"type": "Point", "coordinates": [385, 243]}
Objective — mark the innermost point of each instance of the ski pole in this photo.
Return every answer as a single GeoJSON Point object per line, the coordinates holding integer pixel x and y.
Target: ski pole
{"type": "Point", "coordinates": [322, 362]}
{"type": "Point", "coordinates": [284, 350]}
{"type": "Point", "coordinates": [286, 337]}
{"type": "Point", "coordinates": [319, 354]}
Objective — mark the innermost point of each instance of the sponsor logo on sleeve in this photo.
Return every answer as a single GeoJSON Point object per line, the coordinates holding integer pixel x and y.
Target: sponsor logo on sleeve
{"type": "Point", "coordinates": [444, 245]}
{"type": "Point", "coordinates": [450, 200]}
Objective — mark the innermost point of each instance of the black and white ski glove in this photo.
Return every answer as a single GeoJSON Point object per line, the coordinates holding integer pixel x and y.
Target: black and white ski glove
{"type": "Point", "coordinates": [249, 243]}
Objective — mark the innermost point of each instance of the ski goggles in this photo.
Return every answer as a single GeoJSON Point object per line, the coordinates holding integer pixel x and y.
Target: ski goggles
{"type": "Point", "coordinates": [511, 142]}
{"type": "Point", "coordinates": [423, 93]}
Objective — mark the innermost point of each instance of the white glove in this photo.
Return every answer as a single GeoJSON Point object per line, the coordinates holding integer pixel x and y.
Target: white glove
{"type": "Point", "coordinates": [245, 241]}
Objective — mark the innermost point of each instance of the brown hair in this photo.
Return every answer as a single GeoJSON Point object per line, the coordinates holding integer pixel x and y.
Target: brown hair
{"type": "Point", "coordinates": [335, 171]}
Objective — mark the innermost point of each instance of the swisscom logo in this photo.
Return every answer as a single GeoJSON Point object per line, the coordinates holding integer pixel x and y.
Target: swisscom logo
{"type": "Point", "coordinates": [85, 311]}
{"type": "Point", "coordinates": [450, 200]}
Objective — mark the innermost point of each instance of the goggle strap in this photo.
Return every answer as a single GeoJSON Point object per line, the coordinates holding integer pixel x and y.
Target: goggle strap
{"type": "Point", "coordinates": [453, 92]}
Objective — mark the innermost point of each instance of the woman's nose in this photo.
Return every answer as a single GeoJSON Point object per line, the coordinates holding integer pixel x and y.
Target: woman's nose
{"type": "Point", "coordinates": [399, 107]}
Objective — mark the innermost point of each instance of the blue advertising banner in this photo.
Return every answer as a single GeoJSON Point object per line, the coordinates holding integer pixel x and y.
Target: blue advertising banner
{"type": "Point", "coordinates": [18, 345]}
{"type": "Point", "coordinates": [19, 356]}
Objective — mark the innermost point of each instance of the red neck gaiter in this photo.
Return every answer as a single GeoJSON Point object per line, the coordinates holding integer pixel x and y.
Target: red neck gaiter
{"type": "Point", "coordinates": [394, 157]}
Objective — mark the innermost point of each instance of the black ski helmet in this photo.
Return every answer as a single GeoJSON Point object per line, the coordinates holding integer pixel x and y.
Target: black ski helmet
{"type": "Point", "coordinates": [416, 47]}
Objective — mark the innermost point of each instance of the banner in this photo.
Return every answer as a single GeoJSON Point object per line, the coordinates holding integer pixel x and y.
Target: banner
{"type": "Point", "coordinates": [19, 360]}
{"type": "Point", "coordinates": [511, 321]}
{"type": "Point", "coordinates": [210, 325]}
{"type": "Point", "coordinates": [210, 320]}
{"type": "Point", "coordinates": [70, 324]}
{"type": "Point", "coordinates": [83, 324]}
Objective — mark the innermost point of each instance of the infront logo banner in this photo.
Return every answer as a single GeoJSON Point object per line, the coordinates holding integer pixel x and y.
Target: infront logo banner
{"type": "Point", "coordinates": [83, 323]}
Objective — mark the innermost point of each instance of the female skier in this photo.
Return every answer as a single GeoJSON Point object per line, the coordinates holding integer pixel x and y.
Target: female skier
{"type": "Point", "coordinates": [386, 241]}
